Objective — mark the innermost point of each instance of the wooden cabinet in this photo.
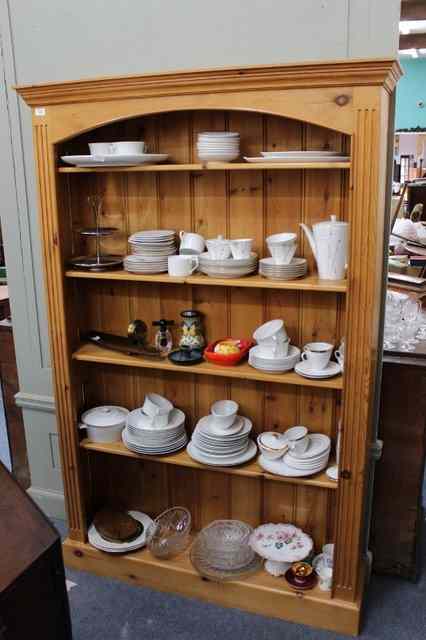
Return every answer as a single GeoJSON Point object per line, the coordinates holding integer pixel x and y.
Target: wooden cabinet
{"type": "Point", "coordinates": [33, 597]}
{"type": "Point", "coordinates": [340, 106]}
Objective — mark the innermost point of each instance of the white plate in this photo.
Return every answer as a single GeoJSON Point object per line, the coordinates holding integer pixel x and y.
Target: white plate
{"type": "Point", "coordinates": [176, 419]}
{"type": "Point", "coordinates": [333, 472]}
{"type": "Point", "coordinates": [285, 154]}
{"type": "Point", "coordinates": [332, 369]}
{"type": "Point", "coordinates": [198, 456]}
{"type": "Point", "coordinates": [279, 468]}
{"type": "Point", "coordinates": [299, 159]}
{"type": "Point", "coordinates": [115, 161]}
{"type": "Point", "coordinates": [98, 542]}
{"type": "Point", "coordinates": [207, 428]}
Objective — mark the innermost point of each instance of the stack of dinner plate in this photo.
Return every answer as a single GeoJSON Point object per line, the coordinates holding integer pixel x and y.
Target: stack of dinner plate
{"type": "Point", "coordinates": [312, 461]}
{"type": "Point", "coordinates": [97, 541]}
{"type": "Point", "coordinates": [150, 250]}
{"type": "Point", "coordinates": [141, 437]}
{"type": "Point", "coordinates": [297, 268]}
{"type": "Point", "coordinates": [274, 364]}
{"type": "Point", "coordinates": [212, 446]}
{"type": "Point", "coordinates": [228, 268]}
{"type": "Point", "coordinates": [218, 146]}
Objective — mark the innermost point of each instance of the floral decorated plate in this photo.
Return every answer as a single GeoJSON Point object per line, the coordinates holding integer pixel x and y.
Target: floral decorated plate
{"type": "Point", "coordinates": [280, 545]}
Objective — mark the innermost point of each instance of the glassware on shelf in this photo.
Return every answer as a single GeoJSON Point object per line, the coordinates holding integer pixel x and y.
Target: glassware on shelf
{"type": "Point", "coordinates": [169, 534]}
{"type": "Point", "coordinates": [98, 262]}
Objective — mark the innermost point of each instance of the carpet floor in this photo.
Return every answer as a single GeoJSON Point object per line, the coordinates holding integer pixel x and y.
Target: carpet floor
{"type": "Point", "coordinates": [106, 609]}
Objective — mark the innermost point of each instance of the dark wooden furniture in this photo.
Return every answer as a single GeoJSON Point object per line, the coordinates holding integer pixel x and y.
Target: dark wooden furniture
{"type": "Point", "coordinates": [33, 597]}
{"type": "Point", "coordinates": [397, 507]}
{"type": "Point", "coordinates": [14, 422]}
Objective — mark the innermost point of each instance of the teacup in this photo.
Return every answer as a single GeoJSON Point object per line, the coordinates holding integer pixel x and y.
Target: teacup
{"type": "Point", "coordinates": [180, 266]}
{"type": "Point", "coordinates": [317, 354]}
{"type": "Point", "coordinates": [297, 438]}
{"type": "Point", "coordinates": [101, 148]}
{"type": "Point", "coordinates": [268, 334]}
{"type": "Point", "coordinates": [241, 248]}
{"type": "Point", "coordinates": [191, 243]}
{"type": "Point", "coordinates": [128, 148]}
{"type": "Point", "coordinates": [156, 405]}
{"type": "Point", "coordinates": [223, 413]}
{"type": "Point", "coordinates": [274, 349]}
{"type": "Point", "coordinates": [339, 354]}
{"type": "Point", "coordinates": [282, 247]}
{"type": "Point", "coordinates": [272, 444]}
{"type": "Point", "coordinates": [218, 249]}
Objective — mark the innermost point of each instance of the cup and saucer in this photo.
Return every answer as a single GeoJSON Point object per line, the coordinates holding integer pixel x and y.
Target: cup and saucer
{"type": "Point", "coordinates": [316, 363]}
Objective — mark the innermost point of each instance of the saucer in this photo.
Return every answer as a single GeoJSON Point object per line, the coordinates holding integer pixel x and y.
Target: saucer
{"type": "Point", "coordinates": [333, 472]}
{"type": "Point", "coordinates": [332, 369]}
{"type": "Point", "coordinates": [241, 426]}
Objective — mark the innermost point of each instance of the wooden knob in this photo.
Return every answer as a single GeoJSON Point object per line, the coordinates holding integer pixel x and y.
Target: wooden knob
{"type": "Point", "coordinates": [341, 100]}
{"type": "Point", "coordinates": [78, 553]}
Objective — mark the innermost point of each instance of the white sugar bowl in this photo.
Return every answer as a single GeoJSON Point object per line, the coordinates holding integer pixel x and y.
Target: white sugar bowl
{"type": "Point", "coordinates": [272, 444]}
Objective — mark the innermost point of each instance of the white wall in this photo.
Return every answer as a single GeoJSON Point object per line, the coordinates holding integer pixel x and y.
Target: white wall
{"type": "Point", "coordinates": [61, 40]}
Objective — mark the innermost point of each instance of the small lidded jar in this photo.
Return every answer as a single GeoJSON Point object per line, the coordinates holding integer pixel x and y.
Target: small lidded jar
{"type": "Point", "coordinates": [191, 330]}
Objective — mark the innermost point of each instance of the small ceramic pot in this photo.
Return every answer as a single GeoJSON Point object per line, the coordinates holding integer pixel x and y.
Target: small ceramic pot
{"type": "Point", "coordinates": [272, 444]}
{"type": "Point", "coordinates": [104, 424]}
{"type": "Point", "coordinates": [192, 335]}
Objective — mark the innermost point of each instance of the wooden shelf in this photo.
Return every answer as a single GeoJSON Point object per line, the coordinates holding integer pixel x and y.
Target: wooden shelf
{"type": "Point", "coordinates": [182, 459]}
{"type": "Point", "coordinates": [210, 166]}
{"type": "Point", "coordinates": [309, 283]}
{"type": "Point", "coordinates": [261, 592]}
{"type": "Point", "coordinates": [93, 353]}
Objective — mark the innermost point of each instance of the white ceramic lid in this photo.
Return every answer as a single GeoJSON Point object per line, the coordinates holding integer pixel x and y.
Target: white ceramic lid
{"type": "Point", "coordinates": [333, 221]}
{"type": "Point", "coordinates": [105, 416]}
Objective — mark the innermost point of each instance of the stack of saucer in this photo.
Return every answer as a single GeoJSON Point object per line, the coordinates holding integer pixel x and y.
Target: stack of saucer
{"type": "Point", "coordinates": [218, 146]}
{"type": "Point", "coordinates": [150, 250]}
{"type": "Point", "coordinates": [295, 269]}
{"type": "Point", "coordinates": [273, 364]}
{"type": "Point", "coordinates": [215, 444]}
{"type": "Point", "coordinates": [155, 429]}
{"type": "Point", "coordinates": [295, 464]}
{"type": "Point", "coordinates": [229, 267]}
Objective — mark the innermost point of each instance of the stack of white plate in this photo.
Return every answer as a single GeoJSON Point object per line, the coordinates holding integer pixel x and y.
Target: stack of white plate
{"type": "Point", "coordinates": [221, 448]}
{"type": "Point", "coordinates": [312, 461]}
{"type": "Point", "coordinates": [150, 250]}
{"type": "Point", "coordinates": [218, 146]}
{"type": "Point", "coordinates": [228, 268]}
{"type": "Point", "coordinates": [141, 437]}
{"type": "Point", "coordinates": [275, 364]}
{"type": "Point", "coordinates": [300, 156]}
{"type": "Point", "coordinates": [297, 268]}
{"type": "Point", "coordinates": [96, 540]}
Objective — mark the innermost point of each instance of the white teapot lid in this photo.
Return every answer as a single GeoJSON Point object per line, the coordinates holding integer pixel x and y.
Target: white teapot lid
{"type": "Point", "coordinates": [333, 221]}
{"type": "Point", "coordinates": [105, 416]}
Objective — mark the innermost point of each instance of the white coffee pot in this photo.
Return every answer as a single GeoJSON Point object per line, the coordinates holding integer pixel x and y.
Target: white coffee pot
{"type": "Point", "coordinates": [329, 244]}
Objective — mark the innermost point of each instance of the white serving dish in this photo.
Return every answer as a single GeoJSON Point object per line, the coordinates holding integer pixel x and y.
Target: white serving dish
{"type": "Point", "coordinates": [115, 160]}
{"type": "Point", "coordinates": [297, 158]}
{"type": "Point", "coordinates": [104, 423]}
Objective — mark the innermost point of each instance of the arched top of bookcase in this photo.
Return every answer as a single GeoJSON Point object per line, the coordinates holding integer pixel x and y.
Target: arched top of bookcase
{"type": "Point", "coordinates": [316, 93]}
